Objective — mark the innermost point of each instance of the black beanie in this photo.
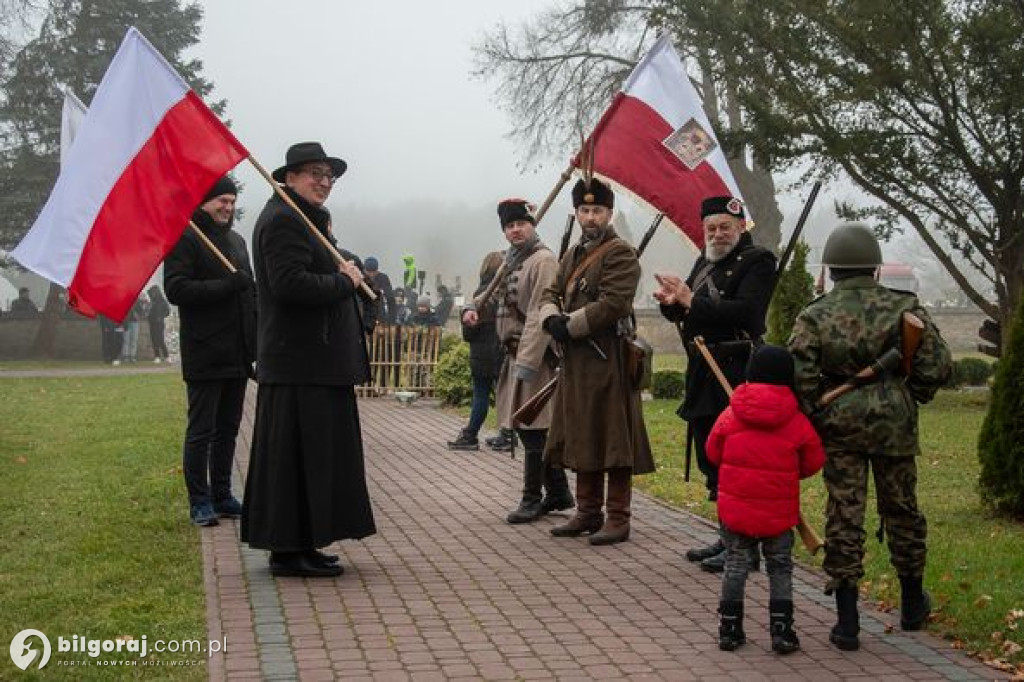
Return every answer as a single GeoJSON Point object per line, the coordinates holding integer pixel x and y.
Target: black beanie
{"type": "Point", "coordinates": [771, 365]}
{"type": "Point", "coordinates": [223, 186]}
{"type": "Point", "coordinates": [592, 193]}
{"type": "Point", "coordinates": [511, 210]}
{"type": "Point", "coordinates": [717, 205]}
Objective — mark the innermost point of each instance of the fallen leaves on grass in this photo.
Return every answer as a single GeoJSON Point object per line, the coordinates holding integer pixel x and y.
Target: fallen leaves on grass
{"type": "Point", "coordinates": [982, 601]}
{"type": "Point", "coordinates": [21, 459]}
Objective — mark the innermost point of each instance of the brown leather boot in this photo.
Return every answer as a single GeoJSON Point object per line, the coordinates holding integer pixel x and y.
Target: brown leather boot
{"type": "Point", "coordinates": [620, 493]}
{"type": "Point", "coordinates": [589, 498]}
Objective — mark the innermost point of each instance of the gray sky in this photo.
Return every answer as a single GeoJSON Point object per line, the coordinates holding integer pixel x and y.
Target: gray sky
{"type": "Point", "coordinates": [386, 86]}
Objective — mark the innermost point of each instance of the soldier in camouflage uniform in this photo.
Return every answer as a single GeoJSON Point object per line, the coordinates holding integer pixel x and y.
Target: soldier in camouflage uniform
{"type": "Point", "coordinates": [873, 427]}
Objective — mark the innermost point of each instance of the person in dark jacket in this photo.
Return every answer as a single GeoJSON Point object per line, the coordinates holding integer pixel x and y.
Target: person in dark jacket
{"type": "Point", "coordinates": [306, 486]}
{"type": "Point", "coordinates": [484, 355]}
{"type": "Point", "coordinates": [424, 315]}
{"type": "Point", "coordinates": [217, 308]}
{"type": "Point", "coordinates": [725, 300]}
{"type": "Point", "coordinates": [382, 283]}
{"type": "Point", "coordinates": [156, 314]}
{"type": "Point", "coordinates": [762, 445]}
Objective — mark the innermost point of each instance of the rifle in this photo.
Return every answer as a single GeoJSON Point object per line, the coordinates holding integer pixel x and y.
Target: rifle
{"type": "Point", "coordinates": [895, 359]}
{"type": "Point", "coordinates": [531, 409]}
{"type": "Point", "coordinates": [795, 237]}
{"type": "Point", "coordinates": [812, 541]}
{"type": "Point", "coordinates": [649, 235]}
{"type": "Point", "coordinates": [566, 236]}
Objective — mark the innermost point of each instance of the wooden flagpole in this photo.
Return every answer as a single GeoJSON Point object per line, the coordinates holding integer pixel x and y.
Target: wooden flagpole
{"type": "Point", "coordinates": [212, 247]}
{"type": "Point", "coordinates": [562, 179]}
{"type": "Point", "coordinates": [367, 291]}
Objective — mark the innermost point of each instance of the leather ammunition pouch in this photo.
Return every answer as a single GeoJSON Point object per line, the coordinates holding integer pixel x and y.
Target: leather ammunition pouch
{"type": "Point", "coordinates": [638, 357]}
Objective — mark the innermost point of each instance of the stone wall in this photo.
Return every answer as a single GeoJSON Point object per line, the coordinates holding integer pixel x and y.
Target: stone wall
{"type": "Point", "coordinates": [959, 326]}
{"type": "Point", "coordinates": [78, 338]}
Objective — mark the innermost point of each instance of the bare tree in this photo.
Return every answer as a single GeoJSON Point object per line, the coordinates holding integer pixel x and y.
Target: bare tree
{"type": "Point", "coordinates": [557, 73]}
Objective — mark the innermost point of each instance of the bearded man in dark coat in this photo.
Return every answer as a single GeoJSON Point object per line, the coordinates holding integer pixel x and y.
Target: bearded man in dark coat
{"type": "Point", "coordinates": [724, 300]}
{"type": "Point", "coordinates": [307, 482]}
{"type": "Point", "coordinates": [218, 346]}
{"type": "Point", "coordinates": [597, 426]}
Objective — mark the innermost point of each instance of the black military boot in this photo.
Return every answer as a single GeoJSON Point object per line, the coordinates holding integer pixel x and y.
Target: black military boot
{"type": "Point", "coordinates": [915, 603]}
{"type": "Point", "coordinates": [502, 442]}
{"type": "Point", "coordinates": [530, 506]}
{"type": "Point", "coordinates": [780, 619]}
{"type": "Point", "coordinates": [558, 496]}
{"type": "Point", "coordinates": [702, 553]}
{"type": "Point", "coordinates": [844, 632]}
{"type": "Point", "coordinates": [730, 626]}
{"type": "Point", "coordinates": [465, 441]}
{"type": "Point", "coordinates": [716, 563]}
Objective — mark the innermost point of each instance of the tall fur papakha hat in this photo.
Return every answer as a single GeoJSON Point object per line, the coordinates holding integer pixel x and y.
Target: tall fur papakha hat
{"type": "Point", "coordinates": [511, 210]}
{"type": "Point", "coordinates": [719, 205]}
{"type": "Point", "coordinates": [593, 193]}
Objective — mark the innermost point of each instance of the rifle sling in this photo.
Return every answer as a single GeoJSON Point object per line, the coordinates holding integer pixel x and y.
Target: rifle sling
{"type": "Point", "coordinates": [570, 284]}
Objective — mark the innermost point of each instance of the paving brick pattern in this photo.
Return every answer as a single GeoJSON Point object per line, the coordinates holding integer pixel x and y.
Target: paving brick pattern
{"type": "Point", "coordinates": [447, 590]}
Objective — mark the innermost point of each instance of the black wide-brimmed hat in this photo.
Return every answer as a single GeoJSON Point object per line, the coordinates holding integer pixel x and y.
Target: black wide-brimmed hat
{"type": "Point", "coordinates": [308, 152]}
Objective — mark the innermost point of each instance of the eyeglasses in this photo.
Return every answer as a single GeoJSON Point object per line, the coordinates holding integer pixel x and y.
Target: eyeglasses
{"type": "Point", "coordinates": [319, 175]}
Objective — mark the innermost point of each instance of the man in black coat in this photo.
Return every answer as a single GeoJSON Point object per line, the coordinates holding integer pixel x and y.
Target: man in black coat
{"type": "Point", "coordinates": [725, 300]}
{"type": "Point", "coordinates": [217, 308]}
{"type": "Point", "coordinates": [306, 486]}
{"type": "Point", "coordinates": [382, 283]}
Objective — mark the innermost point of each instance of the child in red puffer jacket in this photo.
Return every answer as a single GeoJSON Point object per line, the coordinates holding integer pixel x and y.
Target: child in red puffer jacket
{"type": "Point", "coordinates": [762, 445]}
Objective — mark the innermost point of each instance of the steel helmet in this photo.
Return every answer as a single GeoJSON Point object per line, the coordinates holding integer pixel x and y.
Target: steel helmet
{"type": "Point", "coordinates": [852, 245]}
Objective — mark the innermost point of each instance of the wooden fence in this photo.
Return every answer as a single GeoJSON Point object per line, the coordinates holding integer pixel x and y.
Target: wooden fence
{"type": "Point", "coordinates": [402, 359]}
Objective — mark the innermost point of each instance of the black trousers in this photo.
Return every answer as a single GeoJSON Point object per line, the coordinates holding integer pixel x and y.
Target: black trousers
{"type": "Point", "coordinates": [156, 337]}
{"type": "Point", "coordinates": [214, 413]}
{"type": "Point", "coordinates": [701, 430]}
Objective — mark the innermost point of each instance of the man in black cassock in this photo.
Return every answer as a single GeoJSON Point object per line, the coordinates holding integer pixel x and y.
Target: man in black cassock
{"type": "Point", "coordinates": [307, 481]}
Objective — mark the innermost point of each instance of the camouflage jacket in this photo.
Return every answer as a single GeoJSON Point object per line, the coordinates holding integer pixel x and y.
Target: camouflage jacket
{"type": "Point", "coordinates": [841, 333]}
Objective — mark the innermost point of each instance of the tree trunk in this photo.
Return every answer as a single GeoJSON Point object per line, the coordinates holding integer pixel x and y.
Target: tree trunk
{"type": "Point", "coordinates": [46, 333]}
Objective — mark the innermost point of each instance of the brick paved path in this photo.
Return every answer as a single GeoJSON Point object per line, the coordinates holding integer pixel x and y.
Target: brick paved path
{"type": "Point", "coordinates": [447, 590]}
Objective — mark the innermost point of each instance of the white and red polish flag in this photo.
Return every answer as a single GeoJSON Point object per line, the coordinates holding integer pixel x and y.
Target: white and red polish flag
{"type": "Point", "coordinates": [146, 153]}
{"type": "Point", "coordinates": [656, 142]}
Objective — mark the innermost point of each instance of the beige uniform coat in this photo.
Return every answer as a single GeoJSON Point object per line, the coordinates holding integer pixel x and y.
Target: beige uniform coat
{"type": "Point", "coordinates": [597, 422]}
{"type": "Point", "coordinates": [519, 329]}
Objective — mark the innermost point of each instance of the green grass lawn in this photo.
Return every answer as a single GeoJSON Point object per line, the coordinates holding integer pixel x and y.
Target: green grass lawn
{"type": "Point", "coordinates": [94, 538]}
{"type": "Point", "coordinates": [975, 562]}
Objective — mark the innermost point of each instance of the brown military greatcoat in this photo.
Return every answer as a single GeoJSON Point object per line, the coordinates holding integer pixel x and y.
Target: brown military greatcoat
{"type": "Point", "coordinates": [597, 422]}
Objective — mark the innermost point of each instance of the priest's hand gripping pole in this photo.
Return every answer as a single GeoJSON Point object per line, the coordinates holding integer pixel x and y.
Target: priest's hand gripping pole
{"type": "Point", "coordinates": [812, 541]}
{"type": "Point", "coordinates": [366, 290]}
{"type": "Point", "coordinates": [213, 248]}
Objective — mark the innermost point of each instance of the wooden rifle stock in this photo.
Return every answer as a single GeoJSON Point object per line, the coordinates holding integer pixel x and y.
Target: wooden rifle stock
{"type": "Point", "coordinates": [889, 361]}
{"type": "Point", "coordinates": [812, 541]}
{"type": "Point", "coordinates": [911, 335]}
{"type": "Point", "coordinates": [531, 409]}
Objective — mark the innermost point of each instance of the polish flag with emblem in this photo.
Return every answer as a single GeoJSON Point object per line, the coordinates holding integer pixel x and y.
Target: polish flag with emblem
{"type": "Point", "coordinates": [656, 142]}
{"type": "Point", "coordinates": [142, 159]}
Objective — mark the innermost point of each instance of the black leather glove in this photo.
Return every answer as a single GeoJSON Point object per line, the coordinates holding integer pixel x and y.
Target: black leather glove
{"type": "Point", "coordinates": [240, 280]}
{"type": "Point", "coordinates": [558, 327]}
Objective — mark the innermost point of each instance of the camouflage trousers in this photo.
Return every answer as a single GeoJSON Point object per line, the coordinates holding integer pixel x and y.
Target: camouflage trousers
{"type": "Point", "coordinates": [846, 479]}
